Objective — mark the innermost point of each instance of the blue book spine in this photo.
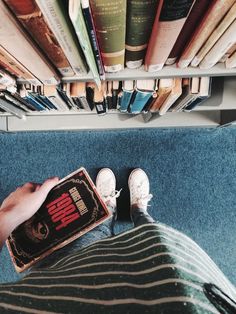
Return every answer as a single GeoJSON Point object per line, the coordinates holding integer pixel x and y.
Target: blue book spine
{"type": "Point", "coordinates": [93, 39]}
{"type": "Point", "coordinates": [125, 100]}
{"type": "Point", "coordinates": [35, 103]}
{"type": "Point", "coordinates": [139, 102]}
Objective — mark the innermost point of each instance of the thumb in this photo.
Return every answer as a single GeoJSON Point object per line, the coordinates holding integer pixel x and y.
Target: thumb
{"type": "Point", "coordinates": [47, 186]}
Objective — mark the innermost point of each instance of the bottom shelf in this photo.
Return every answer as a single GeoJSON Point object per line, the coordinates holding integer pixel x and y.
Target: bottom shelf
{"type": "Point", "coordinates": [109, 121]}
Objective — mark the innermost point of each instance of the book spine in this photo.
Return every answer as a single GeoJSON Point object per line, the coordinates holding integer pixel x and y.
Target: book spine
{"type": "Point", "coordinates": [165, 32]}
{"type": "Point", "coordinates": [231, 61]}
{"type": "Point", "coordinates": [93, 37]}
{"type": "Point", "coordinates": [212, 17]}
{"type": "Point", "coordinates": [139, 22]}
{"type": "Point", "coordinates": [76, 16]}
{"type": "Point", "coordinates": [216, 34]}
{"type": "Point", "coordinates": [29, 15]}
{"type": "Point", "coordinates": [60, 26]}
{"type": "Point", "coordinates": [110, 20]}
{"type": "Point", "coordinates": [16, 42]}
{"type": "Point", "coordinates": [227, 40]}
{"type": "Point", "coordinates": [139, 101]}
{"type": "Point", "coordinates": [194, 18]}
{"type": "Point", "coordinates": [19, 70]}
{"type": "Point", "coordinates": [11, 108]}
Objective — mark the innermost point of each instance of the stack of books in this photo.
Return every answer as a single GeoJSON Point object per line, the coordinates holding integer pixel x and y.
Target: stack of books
{"type": "Point", "coordinates": [130, 96]}
{"type": "Point", "coordinates": [43, 41]}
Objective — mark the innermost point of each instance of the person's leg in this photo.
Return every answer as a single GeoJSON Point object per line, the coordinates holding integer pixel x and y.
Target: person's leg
{"type": "Point", "coordinates": [139, 197]}
{"type": "Point", "coordinates": [106, 186]}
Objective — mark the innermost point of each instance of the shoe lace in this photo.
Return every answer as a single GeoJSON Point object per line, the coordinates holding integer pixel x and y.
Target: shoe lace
{"type": "Point", "coordinates": [114, 194]}
{"type": "Point", "coordinates": [142, 202]}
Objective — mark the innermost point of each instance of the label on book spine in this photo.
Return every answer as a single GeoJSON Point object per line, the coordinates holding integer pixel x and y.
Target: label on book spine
{"type": "Point", "coordinates": [110, 20]}
{"type": "Point", "coordinates": [140, 18]}
{"type": "Point", "coordinates": [175, 10]}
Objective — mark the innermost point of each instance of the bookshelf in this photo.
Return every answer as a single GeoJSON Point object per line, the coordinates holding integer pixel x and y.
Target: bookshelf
{"type": "Point", "coordinates": [208, 115]}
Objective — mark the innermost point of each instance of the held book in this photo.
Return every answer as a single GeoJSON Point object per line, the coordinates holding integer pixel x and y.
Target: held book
{"type": "Point", "coordinates": [211, 19]}
{"type": "Point", "coordinates": [166, 29]}
{"type": "Point", "coordinates": [139, 22]}
{"type": "Point", "coordinates": [110, 20]}
{"type": "Point", "coordinates": [30, 16]}
{"type": "Point", "coordinates": [72, 208]}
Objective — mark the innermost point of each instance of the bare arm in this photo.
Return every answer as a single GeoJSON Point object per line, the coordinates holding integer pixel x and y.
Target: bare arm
{"type": "Point", "coordinates": [22, 204]}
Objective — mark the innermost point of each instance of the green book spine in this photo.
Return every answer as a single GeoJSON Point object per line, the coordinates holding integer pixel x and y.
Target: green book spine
{"type": "Point", "coordinates": [110, 23]}
{"type": "Point", "coordinates": [140, 19]}
{"type": "Point", "coordinates": [77, 19]}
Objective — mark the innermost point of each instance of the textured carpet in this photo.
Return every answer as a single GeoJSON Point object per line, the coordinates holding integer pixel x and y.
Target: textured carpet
{"type": "Point", "coordinates": [192, 175]}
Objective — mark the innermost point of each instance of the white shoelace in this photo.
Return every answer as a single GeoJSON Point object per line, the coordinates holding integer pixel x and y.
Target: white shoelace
{"type": "Point", "coordinates": [114, 194]}
{"type": "Point", "coordinates": [142, 202]}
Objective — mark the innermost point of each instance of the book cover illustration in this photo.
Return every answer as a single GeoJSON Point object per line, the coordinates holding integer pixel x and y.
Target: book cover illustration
{"type": "Point", "coordinates": [72, 208]}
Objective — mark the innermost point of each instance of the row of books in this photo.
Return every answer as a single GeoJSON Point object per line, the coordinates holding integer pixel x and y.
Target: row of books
{"type": "Point", "coordinates": [130, 96]}
{"type": "Point", "coordinates": [44, 40]}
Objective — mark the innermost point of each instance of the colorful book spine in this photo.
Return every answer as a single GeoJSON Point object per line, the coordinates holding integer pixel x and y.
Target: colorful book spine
{"type": "Point", "coordinates": [166, 29]}
{"type": "Point", "coordinates": [19, 70]}
{"type": "Point", "coordinates": [139, 101]}
{"type": "Point", "coordinates": [30, 16]}
{"type": "Point", "coordinates": [194, 18]}
{"type": "Point", "coordinates": [139, 22]}
{"type": "Point", "coordinates": [126, 96]}
{"type": "Point", "coordinates": [17, 43]}
{"type": "Point", "coordinates": [110, 20]}
{"type": "Point", "coordinates": [215, 36]}
{"type": "Point", "coordinates": [226, 41]}
{"type": "Point", "coordinates": [87, 13]}
{"type": "Point", "coordinates": [77, 19]}
{"type": "Point", "coordinates": [211, 19]}
{"type": "Point", "coordinates": [56, 16]}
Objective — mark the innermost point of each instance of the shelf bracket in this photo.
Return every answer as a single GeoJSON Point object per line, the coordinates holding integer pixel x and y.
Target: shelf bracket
{"type": "Point", "coordinates": [228, 118]}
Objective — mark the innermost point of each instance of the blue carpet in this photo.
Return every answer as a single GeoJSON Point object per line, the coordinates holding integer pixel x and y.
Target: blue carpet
{"type": "Point", "coordinates": [192, 174]}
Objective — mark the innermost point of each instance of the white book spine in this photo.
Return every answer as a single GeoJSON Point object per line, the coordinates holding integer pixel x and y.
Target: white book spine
{"type": "Point", "coordinates": [58, 24]}
{"type": "Point", "coordinates": [231, 61]}
{"type": "Point", "coordinates": [227, 40]}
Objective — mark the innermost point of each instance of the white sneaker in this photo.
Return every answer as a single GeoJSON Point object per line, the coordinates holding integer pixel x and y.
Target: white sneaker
{"type": "Point", "coordinates": [106, 186]}
{"type": "Point", "coordinates": [139, 189]}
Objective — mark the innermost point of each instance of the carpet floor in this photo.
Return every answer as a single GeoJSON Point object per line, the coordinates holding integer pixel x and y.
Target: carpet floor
{"type": "Point", "coordinates": [192, 174]}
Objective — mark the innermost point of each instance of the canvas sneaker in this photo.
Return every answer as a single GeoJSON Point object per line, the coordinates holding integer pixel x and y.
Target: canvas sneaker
{"type": "Point", "coordinates": [106, 186]}
{"type": "Point", "coordinates": [139, 189]}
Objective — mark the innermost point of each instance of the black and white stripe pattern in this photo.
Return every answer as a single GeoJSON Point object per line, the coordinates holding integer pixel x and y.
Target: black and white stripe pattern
{"type": "Point", "coordinates": [150, 269]}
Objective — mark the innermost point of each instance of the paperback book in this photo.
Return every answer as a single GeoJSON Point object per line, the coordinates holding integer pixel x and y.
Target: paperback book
{"type": "Point", "coordinates": [72, 208]}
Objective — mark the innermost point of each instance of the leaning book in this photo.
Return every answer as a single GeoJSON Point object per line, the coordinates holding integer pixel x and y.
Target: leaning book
{"type": "Point", "coordinates": [72, 208]}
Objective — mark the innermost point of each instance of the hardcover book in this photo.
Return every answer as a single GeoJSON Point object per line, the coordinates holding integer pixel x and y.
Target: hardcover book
{"type": "Point", "coordinates": [211, 19]}
{"type": "Point", "coordinates": [215, 36]}
{"type": "Point", "coordinates": [144, 91]}
{"type": "Point", "coordinates": [17, 43]}
{"type": "Point", "coordinates": [166, 29]}
{"type": "Point", "coordinates": [139, 22]}
{"type": "Point", "coordinates": [110, 21]}
{"type": "Point", "coordinates": [30, 16]}
{"type": "Point", "coordinates": [72, 208]}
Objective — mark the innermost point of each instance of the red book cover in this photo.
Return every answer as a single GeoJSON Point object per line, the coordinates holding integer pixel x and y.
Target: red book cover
{"type": "Point", "coordinates": [72, 208]}
{"type": "Point", "coordinates": [194, 18]}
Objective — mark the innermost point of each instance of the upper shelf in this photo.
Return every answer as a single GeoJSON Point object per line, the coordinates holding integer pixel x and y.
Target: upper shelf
{"type": "Point", "coordinates": [166, 72]}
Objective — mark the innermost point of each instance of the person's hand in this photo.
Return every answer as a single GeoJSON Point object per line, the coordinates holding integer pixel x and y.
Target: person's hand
{"type": "Point", "coordinates": [24, 202]}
